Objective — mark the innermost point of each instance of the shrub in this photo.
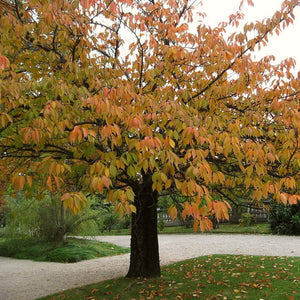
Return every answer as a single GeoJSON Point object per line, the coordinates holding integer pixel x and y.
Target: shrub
{"type": "Point", "coordinates": [110, 221]}
{"type": "Point", "coordinates": [161, 224]}
{"type": "Point", "coordinates": [91, 227]}
{"type": "Point", "coordinates": [125, 222]}
{"type": "Point", "coordinates": [247, 219]}
{"type": "Point", "coordinates": [43, 218]}
{"type": "Point", "coordinates": [21, 217]}
{"type": "Point", "coordinates": [30, 217]}
{"type": "Point", "coordinates": [285, 219]}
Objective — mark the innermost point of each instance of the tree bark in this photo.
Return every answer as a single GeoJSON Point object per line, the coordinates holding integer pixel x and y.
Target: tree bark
{"type": "Point", "coordinates": [144, 257]}
{"type": "Point", "coordinates": [60, 233]}
{"type": "Point", "coordinates": [63, 222]}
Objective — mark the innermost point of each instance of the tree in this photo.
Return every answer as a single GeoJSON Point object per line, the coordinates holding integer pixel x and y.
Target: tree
{"type": "Point", "coordinates": [285, 219]}
{"type": "Point", "coordinates": [122, 98]}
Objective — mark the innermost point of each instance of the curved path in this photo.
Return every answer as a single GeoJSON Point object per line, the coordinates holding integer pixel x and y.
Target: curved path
{"type": "Point", "coordinates": [26, 279]}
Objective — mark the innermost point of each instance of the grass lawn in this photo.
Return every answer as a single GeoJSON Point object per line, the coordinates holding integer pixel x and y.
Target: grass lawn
{"type": "Point", "coordinates": [208, 277]}
{"type": "Point", "coordinates": [72, 251]}
{"type": "Point", "coordinates": [262, 228]}
{"type": "Point", "coordinates": [223, 228]}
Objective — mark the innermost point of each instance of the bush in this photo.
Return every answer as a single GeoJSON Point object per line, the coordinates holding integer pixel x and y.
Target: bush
{"type": "Point", "coordinates": [247, 219]}
{"type": "Point", "coordinates": [125, 222]}
{"type": "Point", "coordinates": [29, 217]}
{"type": "Point", "coordinates": [285, 219]}
{"type": "Point", "coordinates": [21, 217]}
{"type": "Point", "coordinates": [161, 224]}
{"type": "Point", "coordinates": [110, 221]}
{"type": "Point", "coordinates": [91, 227]}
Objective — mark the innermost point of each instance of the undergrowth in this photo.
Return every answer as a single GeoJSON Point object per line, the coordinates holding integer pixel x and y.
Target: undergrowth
{"type": "Point", "coordinates": [73, 250]}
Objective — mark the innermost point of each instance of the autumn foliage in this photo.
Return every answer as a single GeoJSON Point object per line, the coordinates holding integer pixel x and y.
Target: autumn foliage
{"type": "Point", "coordinates": [104, 96]}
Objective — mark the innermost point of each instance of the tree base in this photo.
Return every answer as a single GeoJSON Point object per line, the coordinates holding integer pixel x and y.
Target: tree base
{"type": "Point", "coordinates": [144, 258]}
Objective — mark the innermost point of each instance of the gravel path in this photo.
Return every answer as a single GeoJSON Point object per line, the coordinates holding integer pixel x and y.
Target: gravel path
{"type": "Point", "coordinates": [26, 279]}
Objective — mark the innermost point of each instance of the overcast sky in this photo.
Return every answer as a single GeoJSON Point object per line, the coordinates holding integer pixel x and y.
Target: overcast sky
{"type": "Point", "coordinates": [287, 44]}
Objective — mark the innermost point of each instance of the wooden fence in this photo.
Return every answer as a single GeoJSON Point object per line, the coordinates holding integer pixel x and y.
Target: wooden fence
{"type": "Point", "coordinates": [260, 214]}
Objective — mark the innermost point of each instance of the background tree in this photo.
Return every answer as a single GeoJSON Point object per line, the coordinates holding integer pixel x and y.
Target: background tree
{"type": "Point", "coordinates": [122, 98]}
{"type": "Point", "coordinates": [285, 219]}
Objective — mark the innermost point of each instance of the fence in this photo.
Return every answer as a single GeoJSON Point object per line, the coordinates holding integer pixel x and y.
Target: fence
{"type": "Point", "coordinates": [260, 214]}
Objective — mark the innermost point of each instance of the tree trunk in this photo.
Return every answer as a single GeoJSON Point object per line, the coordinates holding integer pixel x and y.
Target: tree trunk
{"type": "Point", "coordinates": [60, 234]}
{"type": "Point", "coordinates": [144, 257]}
{"type": "Point", "coordinates": [63, 222]}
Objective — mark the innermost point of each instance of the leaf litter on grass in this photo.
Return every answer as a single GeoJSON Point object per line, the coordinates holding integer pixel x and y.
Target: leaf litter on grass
{"type": "Point", "coordinates": [216, 277]}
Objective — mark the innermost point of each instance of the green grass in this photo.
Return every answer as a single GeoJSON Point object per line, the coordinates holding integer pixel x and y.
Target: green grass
{"type": "Point", "coordinates": [223, 228]}
{"type": "Point", "coordinates": [73, 250]}
{"type": "Point", "coordinates": [208, 277]}
{"type": "Point", "coordinates": [263, 228]}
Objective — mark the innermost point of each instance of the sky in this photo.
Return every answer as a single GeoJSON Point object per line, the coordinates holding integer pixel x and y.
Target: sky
{"type": "Point", "coordinates": [287, 44]}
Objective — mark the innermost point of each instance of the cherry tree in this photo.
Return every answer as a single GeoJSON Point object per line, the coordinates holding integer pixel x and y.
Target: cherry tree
{"type": "Point", "coordinates": [122, 98]}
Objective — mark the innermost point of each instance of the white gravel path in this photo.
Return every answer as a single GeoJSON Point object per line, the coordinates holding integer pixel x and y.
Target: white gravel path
{"type": "Point", "coordinates": [27, 280]}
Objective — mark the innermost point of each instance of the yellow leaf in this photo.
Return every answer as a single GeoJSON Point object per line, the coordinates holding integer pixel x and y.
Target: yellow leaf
{"type": "Point", "coordinates": [132, 208]}
{"type": "Point", "coordinates": [168, 183]}
{"type": "Point", "coordinates": [131, 171]}
{"type": "Point", "coordinates": [172, 143]}
{"type": "Point", "coordinates": [119, 209]}
{"type": "Point", "coordinates": [112, 171]}
{"type": "Point", "coordinates": [159, 186]}
{"type": "Point", "coordinates": [163, 177]}
{"type": "Point", "coordinates": [74, 201]}
{"type": "Point", "coordinates": [178, 184]}
{"type": "Point", "coordinates": [172, 212]}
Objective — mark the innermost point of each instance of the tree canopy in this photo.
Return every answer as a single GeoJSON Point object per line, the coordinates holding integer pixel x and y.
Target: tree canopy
{"type": "Point", "coordinates": [108, 96]}
{"type": "Point", "coordinates": [84, 110]}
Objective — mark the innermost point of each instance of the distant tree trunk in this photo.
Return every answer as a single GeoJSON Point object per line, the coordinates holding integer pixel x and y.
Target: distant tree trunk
{"type": "Point", "coordinates": [63, 222]}
{"type": "Point", "coordinates": [144, 258]}
{"type": "Point", "coordinates": [236, 214]}
{"type": "Point", "coordinates": [215, 222]}
{"type": "Point", "coordinates": [60, 235]}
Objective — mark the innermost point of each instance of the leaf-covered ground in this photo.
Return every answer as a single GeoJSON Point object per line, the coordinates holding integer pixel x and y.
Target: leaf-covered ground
{"type": "Point", "coordinates": [208, 277]}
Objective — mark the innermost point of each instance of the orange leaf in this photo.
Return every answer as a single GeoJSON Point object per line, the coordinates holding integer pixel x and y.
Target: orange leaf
{"type": "Point", "coordinates": [4, 62]}
{"type": "Point", "coordinates": [65, 196]}
{"type": "Point", "coordinates": [283, 198]}
{"type": "Point", "coordinates": [205, 224]}
{"type": "Point", "coordinates": [49, 182]}
{"type": "Point", "coordinates": [106, 181]}
{"type": "Point", "coordinates": [18, 182]}
{"type": "Point", "coordinates": [29, 180]}
{"type": "Point", "coordinates": [172, 212]}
